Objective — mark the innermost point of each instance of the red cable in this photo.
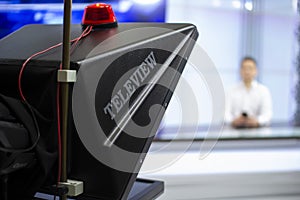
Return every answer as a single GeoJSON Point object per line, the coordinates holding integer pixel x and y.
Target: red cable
{"type": "Point", "coordinates": [58, 107]}
{"type": "Point", "coordinates": [24, 65]}
{"type": "Point", "coordinates": [86, 32]}
{"type": "Point", "coordinates": [58, 133]}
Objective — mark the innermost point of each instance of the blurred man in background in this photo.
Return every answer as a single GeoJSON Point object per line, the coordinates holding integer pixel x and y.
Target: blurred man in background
{"type": "Point", "coordinates": [249, 103]}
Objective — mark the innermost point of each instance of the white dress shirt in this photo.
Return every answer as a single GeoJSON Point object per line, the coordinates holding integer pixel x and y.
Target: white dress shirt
{"type": "Point", "coordinates": [256, 101]}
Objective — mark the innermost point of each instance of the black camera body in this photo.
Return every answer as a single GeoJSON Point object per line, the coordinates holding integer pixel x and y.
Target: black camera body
{"type": "Point", "coordinates": [39, 80]}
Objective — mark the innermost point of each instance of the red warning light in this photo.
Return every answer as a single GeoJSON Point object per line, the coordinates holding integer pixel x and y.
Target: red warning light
{"type": "Point", "coordinates": [99, 15]}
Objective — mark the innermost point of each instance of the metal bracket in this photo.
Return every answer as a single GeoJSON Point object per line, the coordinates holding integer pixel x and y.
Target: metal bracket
{"type": "Point", "coordinates": [75, 188]}
{"type": "Point", "coordinates": [66, 76]}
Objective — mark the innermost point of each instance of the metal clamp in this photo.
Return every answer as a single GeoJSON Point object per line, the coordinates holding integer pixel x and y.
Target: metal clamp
{"type": "Point", "coordinates": [66, 76]}
{"type": "Point", "coordinates": [75, 188]}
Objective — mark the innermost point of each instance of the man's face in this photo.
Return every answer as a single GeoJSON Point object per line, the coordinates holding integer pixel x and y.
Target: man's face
{"type": "Point", "coordinates": [248, 70]}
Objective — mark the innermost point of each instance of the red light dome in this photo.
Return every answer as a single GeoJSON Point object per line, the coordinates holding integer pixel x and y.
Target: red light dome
{"type": "Point", "coordinates": [99, 15]}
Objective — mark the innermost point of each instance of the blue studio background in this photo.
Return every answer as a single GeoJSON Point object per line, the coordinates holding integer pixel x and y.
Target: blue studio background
{"type": "Point", "coordinates": [17, 13]}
